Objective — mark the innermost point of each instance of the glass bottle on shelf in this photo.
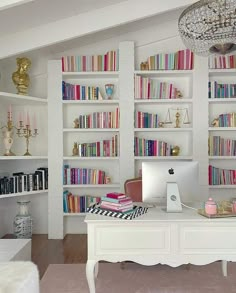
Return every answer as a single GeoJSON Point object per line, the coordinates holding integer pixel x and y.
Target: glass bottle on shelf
{"type": "Point", "coordinates": [23, 221]}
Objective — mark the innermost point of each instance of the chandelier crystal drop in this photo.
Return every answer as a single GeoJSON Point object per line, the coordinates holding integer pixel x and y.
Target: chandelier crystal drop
{"type": "Point", "coordinates": [209, 27]}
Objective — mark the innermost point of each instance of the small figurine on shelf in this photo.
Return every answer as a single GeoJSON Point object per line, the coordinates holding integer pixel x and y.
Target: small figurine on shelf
{"type": "Point", "coordinates": [75, 150]}
{"type": "Point", "coordinates": [179, 95]}
{"type": "Point", "coordinates": [107, 180]}
{"type": "Point", "coordinates": [175, 150]}
{"type": "Point", "coordinates": [144, 66]}
{"type": "Point", "coordinates": [76, 123]}
{"type": "Point", "coordinates": [161, 124]}
{"type": "Point", "coordinates": [20, 77]}
{"type": "Point", "coordinates": [215, 122]}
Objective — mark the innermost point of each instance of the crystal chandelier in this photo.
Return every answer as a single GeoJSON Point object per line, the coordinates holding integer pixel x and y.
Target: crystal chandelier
{"type": "Point", "coordinates": [209, 27]}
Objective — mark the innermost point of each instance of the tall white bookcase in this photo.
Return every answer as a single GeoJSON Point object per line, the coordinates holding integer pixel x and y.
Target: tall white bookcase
{"type": "Point", "coordinates": [20, 106]}
{"type": "Point", "coordinates": [216, 107]}
{"type": "Point", "coordinates": [62, 114]}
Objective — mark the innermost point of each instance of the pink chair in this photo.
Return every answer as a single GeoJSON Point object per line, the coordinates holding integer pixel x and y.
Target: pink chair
{"type": "Point", "coordinates": [133, 188]}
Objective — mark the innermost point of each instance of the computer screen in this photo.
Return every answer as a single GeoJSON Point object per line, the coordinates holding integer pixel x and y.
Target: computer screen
{"type": "Point", "coordinates": [163, 182]}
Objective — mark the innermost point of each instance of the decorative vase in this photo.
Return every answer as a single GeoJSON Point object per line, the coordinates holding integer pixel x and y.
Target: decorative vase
{"type": "Point", "coordinates": [109, 90]}
{"type": "Point", "coordinates": [23, 221]}
{"type": "Point", "coordinates": [8, 141]}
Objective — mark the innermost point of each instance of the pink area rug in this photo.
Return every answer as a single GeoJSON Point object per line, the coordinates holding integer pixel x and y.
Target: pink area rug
{"type": "Point", "coordinates": [71, 278]}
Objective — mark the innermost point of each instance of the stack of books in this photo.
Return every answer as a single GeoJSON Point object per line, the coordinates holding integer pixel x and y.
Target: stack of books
{"type": "Point", "coordinates": [116, 202]}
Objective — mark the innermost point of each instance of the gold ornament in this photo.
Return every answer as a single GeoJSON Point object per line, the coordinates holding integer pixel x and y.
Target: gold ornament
{"type": "Point", "coordinates": [20, 77]}
{"type": "Point", "coordinates": [175, 151]}
{"type": "Point", "coordinates": [76, 123]}
{"type": "Point", "coordinates": [215, 122]}
{"type": "Point", "coordinates": [75, 150]}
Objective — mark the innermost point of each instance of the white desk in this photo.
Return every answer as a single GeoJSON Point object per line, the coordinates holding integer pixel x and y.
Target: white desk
{"type": "Point", "coordinates": [159, 237]}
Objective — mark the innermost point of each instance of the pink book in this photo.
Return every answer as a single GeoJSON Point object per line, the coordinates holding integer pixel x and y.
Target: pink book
{"type": "Point", "coordinates": [116, 195]}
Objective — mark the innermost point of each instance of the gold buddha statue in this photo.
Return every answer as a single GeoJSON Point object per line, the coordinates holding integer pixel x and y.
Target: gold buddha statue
{"type": "Point", "coordinates": [20, 77]}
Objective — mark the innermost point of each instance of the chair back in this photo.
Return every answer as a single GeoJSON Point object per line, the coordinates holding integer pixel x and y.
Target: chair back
{"type": "Point", "coordinates": [133, 188]}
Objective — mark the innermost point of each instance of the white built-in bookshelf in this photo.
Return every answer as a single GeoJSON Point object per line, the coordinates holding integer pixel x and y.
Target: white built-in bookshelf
{"type": "Point", "coordinates": [165, 108]}
{"type": "Point", "coordinates": [222, 137]}
{"type": "Point", "coordinates": [191, 137]}
{"type": "Point", "coordinates": [66, 111]}
{"type": "Point", "coordinates": [21, 105]}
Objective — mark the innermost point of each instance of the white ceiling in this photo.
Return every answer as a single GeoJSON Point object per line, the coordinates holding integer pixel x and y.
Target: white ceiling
{"type": "Point", "coordinates": [49, 23]}
{"type": "Point", "coordinates": [41, 12]}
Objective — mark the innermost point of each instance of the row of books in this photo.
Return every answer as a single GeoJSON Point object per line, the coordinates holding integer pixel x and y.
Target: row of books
{"type": "Point", "coordinates": [149, 147]}
{"type": "Point", "coordinates": [24, 182]}
{"type": "Point", "coordinates": [227, 120]}
{"type": "Point", "coordinates": [145, 120]}
{"type": "Point", "coordinates": [80, 92]}
{"type": "Point", "coordinates": [100, 120]}
{"type": "Point", "coordinates": [116, 202]}
{"type": "Point", "coordinates": [83, 176]}
{"type": "Point", "coordinates": [218, 176]}
{"type": "Point", "coordinates": [107, 62]}
{"type": "Point", "coordinates": [77, 203]}
{"type": "Point", "coordinates": [180, 60]}
{"type": "Point", "coordinates": [103, 148]}
{"type": "Point", "coordinates": [148, 88]}
{"type": "Point", "coordinates": [222, 61]}
{"type": "Point", "coordinates": [220, 146]}
{"type": "Point", "coordinates": [221, 90]}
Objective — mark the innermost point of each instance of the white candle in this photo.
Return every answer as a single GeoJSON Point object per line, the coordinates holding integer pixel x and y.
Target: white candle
{"type": "Point", "coordinates": [20, 120]}
{"type": "Point", "coordinates": [34, 122]}
{"type": "Point", "coordinates": [10, 113]}
{"type": "Point", "coordinates": [27, 119]}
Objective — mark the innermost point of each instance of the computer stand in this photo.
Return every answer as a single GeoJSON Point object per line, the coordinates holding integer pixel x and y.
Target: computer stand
{"type": "Point", "coordinates": [173, 198]}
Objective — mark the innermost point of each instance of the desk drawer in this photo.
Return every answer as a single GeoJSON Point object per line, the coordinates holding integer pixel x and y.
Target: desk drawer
{"type": "Point", "coordinates": [210, 238]}
{"type": "Point", "coordinates": [132, 239]}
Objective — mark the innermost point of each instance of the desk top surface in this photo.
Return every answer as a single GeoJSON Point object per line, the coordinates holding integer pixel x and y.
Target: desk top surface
{"type": "Point", "coordinates": [158, 214]}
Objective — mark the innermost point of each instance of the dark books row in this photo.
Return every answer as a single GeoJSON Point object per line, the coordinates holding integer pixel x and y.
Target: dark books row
{"type": "Point", "coordinates": [21, 182]}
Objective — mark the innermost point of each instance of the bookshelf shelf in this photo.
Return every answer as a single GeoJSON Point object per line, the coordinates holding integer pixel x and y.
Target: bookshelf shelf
{"type": "Point", "coordinates": [74, 214]}
{"type": "Point", "coordinates": [6, 158]}
{"type": "Point", "coordinates": [163, 158]}
{"type": "Point", "coordinates": [91, 130]}
{"type": "Point", "coordinates": [163, 72]}
{"type": "Point", "coordinates": [222, 157]}
{"type": "Point", "coordinates": [222, 186]}
{"type": "Point", "coordinates": [163, 101]}
{"type": "Point", "coordinates": [91, 74]}
{"type": "Point", "coordinates": [16, 99]}
{"type": "Point", "coordinates": [167, 129]}
{"type": "Point", "coordinates": [90, 102]}
{"type": "Point", "coordinates": [222, 100]}
{"type": "Point", "coordinates": [114, 185]}
{"type": "Point", "coordinates": [222, 128]}
{"type": "Point", "coordinates": [22, 194]}
{"type": "Point", "coordinates": [220, 72]}
{"type": "Point", "coordinates": [76, 158]}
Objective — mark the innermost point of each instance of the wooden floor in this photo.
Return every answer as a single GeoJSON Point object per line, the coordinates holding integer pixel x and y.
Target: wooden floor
{"type": "Point", "coordinates": [72, 249]}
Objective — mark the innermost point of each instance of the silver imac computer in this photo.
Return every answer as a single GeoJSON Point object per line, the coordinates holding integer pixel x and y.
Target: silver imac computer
{"type": "Point", "coordinates": [169, 184]}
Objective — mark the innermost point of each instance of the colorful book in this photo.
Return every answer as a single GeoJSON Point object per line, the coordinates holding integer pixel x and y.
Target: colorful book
{"type": "Point", "coordinates": [116, 195]}
{"type": "Point", "coordinates": [124, 200]}
{"type": "Point", "coordinates": [128, 215]}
